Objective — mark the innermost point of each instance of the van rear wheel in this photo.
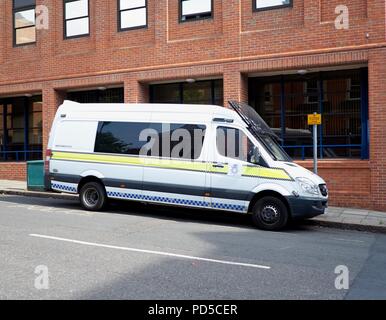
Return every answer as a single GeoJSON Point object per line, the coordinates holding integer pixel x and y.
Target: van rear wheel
{"type": "Point", "coordinates": [93, 196]}
{"type": "Point", "coordinates": [270, 213]}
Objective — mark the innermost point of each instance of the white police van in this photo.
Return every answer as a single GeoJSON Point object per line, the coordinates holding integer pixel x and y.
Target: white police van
{"type": "Point", "coordinates": [195, 156]}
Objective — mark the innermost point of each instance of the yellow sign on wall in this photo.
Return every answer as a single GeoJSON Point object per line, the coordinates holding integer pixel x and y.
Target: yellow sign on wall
{"type": "Point", "coordinates": [314, 119]}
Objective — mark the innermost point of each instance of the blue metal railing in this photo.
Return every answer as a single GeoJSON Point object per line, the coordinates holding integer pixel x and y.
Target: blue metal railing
{"type": "Point", "coordinates": [325, 146]}
{"type": "Point", "coordinates": [20, 155]}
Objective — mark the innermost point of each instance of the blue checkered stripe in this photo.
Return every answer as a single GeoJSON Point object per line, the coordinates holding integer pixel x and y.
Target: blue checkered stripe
{"type": "Point", "coordinates": [134, 196]}
{"type": "Point", "coordinates": [228, 206]}
{"type": "Point", "coordinates": [63, 187]}
{"type": "Point", "coordinates": [163, 199]}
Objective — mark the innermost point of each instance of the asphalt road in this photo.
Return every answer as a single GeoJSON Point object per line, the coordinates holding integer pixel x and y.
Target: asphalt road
{"type": "Point", "coordinates": [134, 251]}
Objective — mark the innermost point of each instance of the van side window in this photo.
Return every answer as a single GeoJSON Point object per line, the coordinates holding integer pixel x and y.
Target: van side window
{"type": "Point", "coordinates": [233, 143]}
{"type": "Point", "coordinates": [120, 137]}
{"type": "Point", "coordinates": [179, 141]}
{"type": "Point", "coordinates": [166, 140]}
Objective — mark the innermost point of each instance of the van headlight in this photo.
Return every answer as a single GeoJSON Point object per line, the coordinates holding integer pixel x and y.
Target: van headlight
{"type": "Point", "coordinates": [308, 186]}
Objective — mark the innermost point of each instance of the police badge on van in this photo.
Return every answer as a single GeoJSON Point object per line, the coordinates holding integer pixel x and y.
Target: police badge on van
{"type": "Point", "coordinates": [235, 169]}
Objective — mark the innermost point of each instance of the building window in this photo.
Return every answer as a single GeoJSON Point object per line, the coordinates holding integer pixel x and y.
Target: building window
{"type": "Point", "coordinates": [341, 98]}
{"type": "Point", "coordinates": [199, 92]}
{"type": "Point", "coordinates": [195, 9]}
{"type": "Point", "coordinates": [132, 14]}
{"type": "Point", "coordinates": [76, 18]}
{"type": "Point", "coordinates": [112, 95]}
{"type": "Point", "coordinates": [24, 22]}
{"type": "Point", "coordinates": [354, 89]}
{"type": "Point", "coordinates": [21, 135]}
{"type": "Point", "coordinates": [270, 4]}
{"type": "Point", "coordinates": [311, 90]}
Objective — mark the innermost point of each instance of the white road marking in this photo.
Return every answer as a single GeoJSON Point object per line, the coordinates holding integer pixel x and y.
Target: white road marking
{"type": "Point", "coordinates": [349, 240]}
{"type": "Point", "coordinates": [160, 253]}
{"type": "Point", "coordinates": [286, 248]}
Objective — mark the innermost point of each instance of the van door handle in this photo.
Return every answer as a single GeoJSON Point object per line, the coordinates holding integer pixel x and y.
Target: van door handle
{"type": "Point", "coordinates": [219, 165]}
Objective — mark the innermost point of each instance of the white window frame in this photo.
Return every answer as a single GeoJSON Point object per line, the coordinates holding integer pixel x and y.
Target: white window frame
{"type": "Point", "coordinates": [120, 11]}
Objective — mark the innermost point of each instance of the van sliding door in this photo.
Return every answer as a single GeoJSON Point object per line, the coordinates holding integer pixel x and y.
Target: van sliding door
{"type": "Point", "coordinates": [175, 172]}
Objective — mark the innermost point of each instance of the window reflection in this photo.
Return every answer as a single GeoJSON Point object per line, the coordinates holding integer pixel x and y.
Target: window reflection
{"type": "Point", "coordinates": [24, 22]}
{"type": "Point", "coordinates": [285, 102]}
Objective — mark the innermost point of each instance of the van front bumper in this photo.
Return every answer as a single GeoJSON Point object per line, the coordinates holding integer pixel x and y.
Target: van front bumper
{"type": "Point", "coordinates": [303, 208]}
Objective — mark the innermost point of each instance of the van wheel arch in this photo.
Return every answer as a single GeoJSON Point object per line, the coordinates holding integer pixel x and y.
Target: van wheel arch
{"type": "Point", "coordinates": [88, 179]}
{"type": "Point", "coordinates": [269, 193]}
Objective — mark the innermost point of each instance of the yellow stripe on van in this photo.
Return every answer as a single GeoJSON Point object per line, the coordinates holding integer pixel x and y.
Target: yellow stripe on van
{"type": "Point", "coordinates": [249, 171]}
{"type": "Point", "coordinates": [175, 164]}
{"type": "Point", "coordinates": [135, 161]}
{"type": "Point", "coordinates": [97, 158]}
{"type": "Point", "coordinates": [267, 173]}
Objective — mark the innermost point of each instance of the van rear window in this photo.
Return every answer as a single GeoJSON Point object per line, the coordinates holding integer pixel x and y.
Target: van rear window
{"type": "Point", "coordinates": [166, 140]}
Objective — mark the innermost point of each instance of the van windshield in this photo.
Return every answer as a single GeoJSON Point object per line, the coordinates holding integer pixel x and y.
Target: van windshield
{"type": "Point", "coordinates": [261, 131]}
{"type": "Point", "coordinates": [273, 148]}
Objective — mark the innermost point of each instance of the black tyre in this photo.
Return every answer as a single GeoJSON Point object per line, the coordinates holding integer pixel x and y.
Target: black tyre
{"type": "Point", "coordinates": [270, 213]}
{"type": "Point", "coordinates": [93, 196]}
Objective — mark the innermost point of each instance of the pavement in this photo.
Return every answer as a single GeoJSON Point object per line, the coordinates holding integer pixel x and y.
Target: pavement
{"type": "Point", "coordinates": [335, 217]}
{"type": "Point", "coordinates": [51, 249]}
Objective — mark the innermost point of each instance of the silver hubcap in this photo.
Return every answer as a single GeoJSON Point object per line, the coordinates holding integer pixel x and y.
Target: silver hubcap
{"type": "Point", "coordinates": [270, 214]}
{"type": "Point", "coordinates": [91, 197]}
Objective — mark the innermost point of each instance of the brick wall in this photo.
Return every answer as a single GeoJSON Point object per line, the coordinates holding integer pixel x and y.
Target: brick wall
{"type": "Point", "coordinates": [348, 181]}
{"type": "Point", "coordinates": [13, 171]}
{"type": "Point", "coordinates": [234, 32]}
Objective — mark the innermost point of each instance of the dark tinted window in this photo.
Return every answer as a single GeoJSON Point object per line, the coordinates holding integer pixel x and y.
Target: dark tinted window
{"type": "Point", "coordinates": [21, 128]}
{"type": "Point", "coordinates": [181, 141]}
{"type": "Point", "coordinates": [120, 137]}
{"type": "Point", "coordinates": [165, 140]}
{"type": "Point", "coordinates": [23, 3]}
{"type": "Point", "coordinates": [339, 96]}
{"type": "Point", "coordinates": [199, 92]}
{"type": "Point", "coordinates": [233, 143]}
{"type": "Point", "coordinates": [112, 95]}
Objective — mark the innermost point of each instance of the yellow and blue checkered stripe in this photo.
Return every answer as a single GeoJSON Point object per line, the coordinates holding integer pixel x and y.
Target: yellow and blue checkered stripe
{"type": "Point", "coordinates": [64, 187]}
{"type": "Point", "coordinates": [220, 204]}
{"type": "Point", "coordinates": [164, 199]}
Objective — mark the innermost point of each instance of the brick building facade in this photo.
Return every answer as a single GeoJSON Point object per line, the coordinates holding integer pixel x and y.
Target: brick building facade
{"type": "Point", "coordinates": [285, 60]}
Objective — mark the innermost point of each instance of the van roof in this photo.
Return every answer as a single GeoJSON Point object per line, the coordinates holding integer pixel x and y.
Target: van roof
{"type": "Point", "coordinates": [69, 106]}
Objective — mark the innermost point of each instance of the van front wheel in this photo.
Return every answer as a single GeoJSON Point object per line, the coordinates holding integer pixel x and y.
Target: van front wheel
{"type": "Point", "coordinates": [270, 213]}
{"type": "Point", "coordinates": [93, 196]}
